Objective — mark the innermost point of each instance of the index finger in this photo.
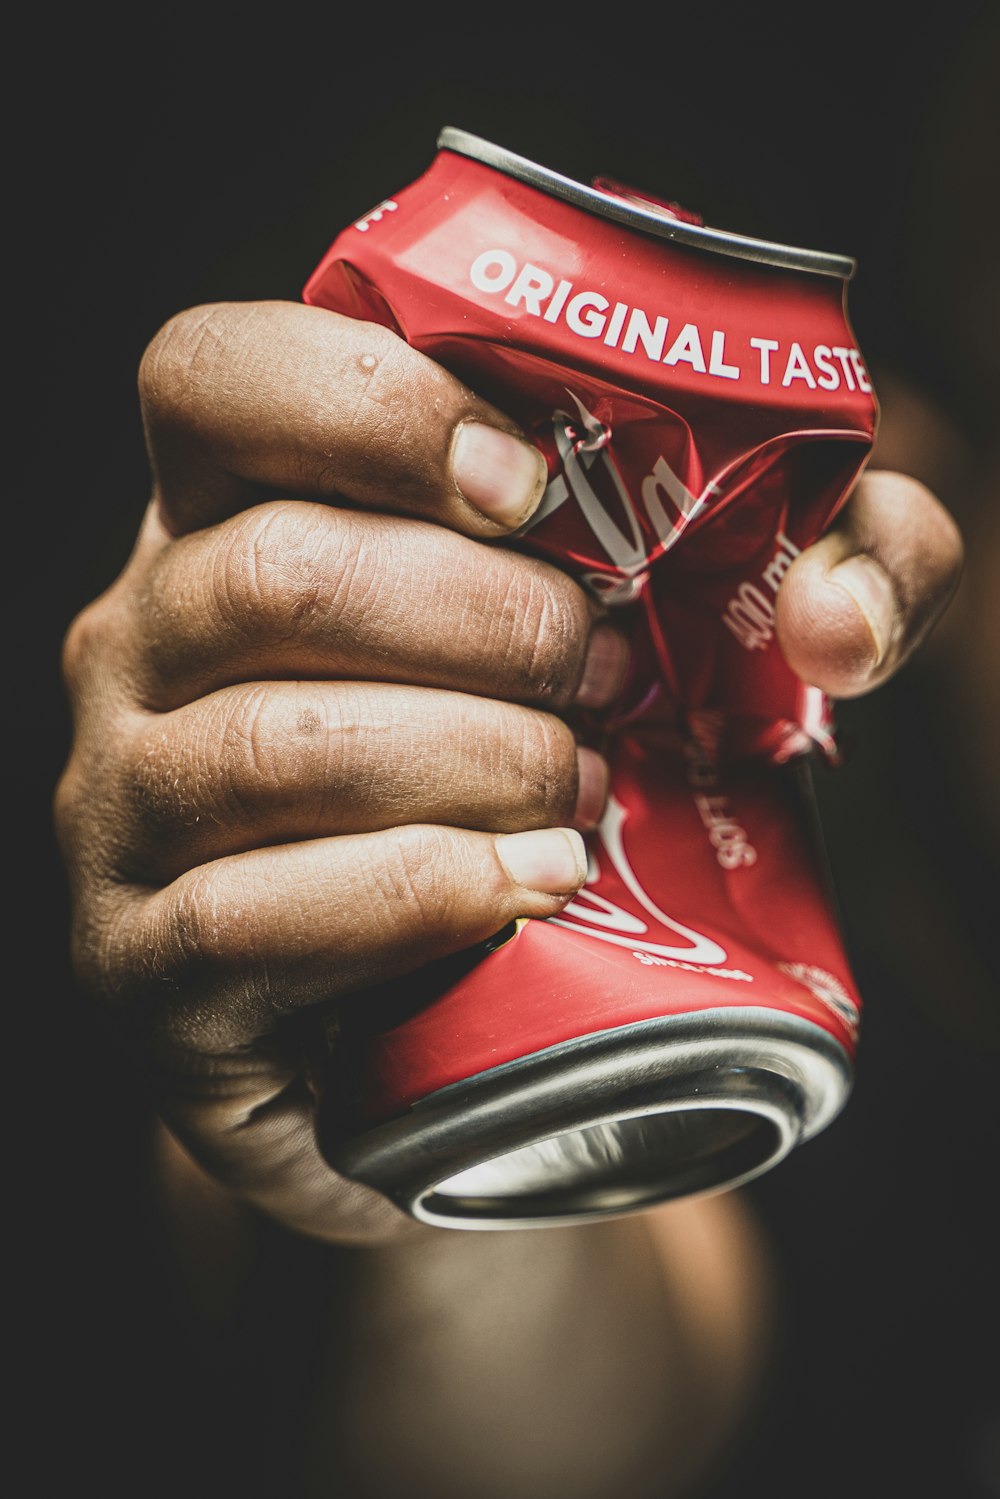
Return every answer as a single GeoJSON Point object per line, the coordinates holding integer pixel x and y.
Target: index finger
{"type": "Point", "coordinates": [242, 399]}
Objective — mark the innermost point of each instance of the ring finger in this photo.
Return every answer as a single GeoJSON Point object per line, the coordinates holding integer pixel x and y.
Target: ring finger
{"type": "Point", "coordinates": [278, 762]}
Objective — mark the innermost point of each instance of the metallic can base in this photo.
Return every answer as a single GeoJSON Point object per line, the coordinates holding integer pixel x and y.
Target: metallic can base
{"type": "Point", "coordinates": [608, 1124]}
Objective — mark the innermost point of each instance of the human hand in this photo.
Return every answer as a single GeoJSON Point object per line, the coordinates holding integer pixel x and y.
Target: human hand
{"type": "Point", "coordinates": [854, 606]}
{"type": "Point", "coordinates": [301, 725]}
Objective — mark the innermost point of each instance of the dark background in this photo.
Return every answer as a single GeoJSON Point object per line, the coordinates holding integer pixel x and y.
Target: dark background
{"type": "Point", "coordinates": [169, 164]}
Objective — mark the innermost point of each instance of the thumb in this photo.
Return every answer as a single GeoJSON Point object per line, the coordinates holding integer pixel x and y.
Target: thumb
{"type": "Point", "coordinates": [854, 606]}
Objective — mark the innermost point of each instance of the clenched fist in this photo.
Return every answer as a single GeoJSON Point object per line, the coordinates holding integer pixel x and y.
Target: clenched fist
{"type": "Point", "coordinates": [324, 725]}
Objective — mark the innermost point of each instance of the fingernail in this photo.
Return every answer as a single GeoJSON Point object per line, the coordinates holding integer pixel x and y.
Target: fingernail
{"type": "Point", "coordinates": [872, 592]}
{"type": "Point", "coordinates": [604, 669]}
{"type": "Point", "coordinates": [592, 788]}
{"type": "Point", "coordinates": [503, 477]}
{"type": "Point", "coordinates": [552, 860]}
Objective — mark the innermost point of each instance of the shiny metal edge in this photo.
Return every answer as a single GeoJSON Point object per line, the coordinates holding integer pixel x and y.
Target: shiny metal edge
{"type": "Point", "coordinates": [779, 1067]}
{"type": "Point", "coordinates": [721, 241]}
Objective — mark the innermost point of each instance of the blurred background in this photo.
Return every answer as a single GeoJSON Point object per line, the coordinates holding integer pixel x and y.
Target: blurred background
{"type": "Point", "coordinates": [183, 161]}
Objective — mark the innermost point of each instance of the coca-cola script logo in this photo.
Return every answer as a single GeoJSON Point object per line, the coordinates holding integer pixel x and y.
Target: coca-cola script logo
{"type": "Point", "coordinates": [594, 915]}
{"type": "Point", "coordinates": [666, 505]}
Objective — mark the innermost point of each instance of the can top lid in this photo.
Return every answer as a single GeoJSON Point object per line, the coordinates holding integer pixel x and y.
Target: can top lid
{"type": "Point", "coordinates": [639, 214]}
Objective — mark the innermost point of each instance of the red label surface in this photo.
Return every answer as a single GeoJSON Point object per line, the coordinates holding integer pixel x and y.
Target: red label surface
{"type": "Point", "coordinates": [703, 417]}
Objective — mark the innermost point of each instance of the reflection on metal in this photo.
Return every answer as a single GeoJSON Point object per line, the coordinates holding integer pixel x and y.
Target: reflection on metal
{"type": "Point", "coordinates": [649, 219]}
{"type": "Point", "coordinates": [609, 1123]}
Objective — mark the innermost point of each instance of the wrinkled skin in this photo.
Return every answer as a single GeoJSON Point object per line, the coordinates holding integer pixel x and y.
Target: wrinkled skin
{"type": "Point", "coordinates": [317, 703]}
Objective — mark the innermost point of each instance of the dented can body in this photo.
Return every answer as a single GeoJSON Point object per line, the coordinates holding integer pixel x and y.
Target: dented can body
{"type": "Point", "coordinates": [704, 410]}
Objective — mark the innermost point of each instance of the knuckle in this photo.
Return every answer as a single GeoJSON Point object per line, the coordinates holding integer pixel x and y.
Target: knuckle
{"type": "Point", "coordinates": [263, 569]}
{"type": "Point", "coordinates": [547, 767]}
{"type": "Point", "coordinates": [66, 797]}
{"type": "Point", "coordinates": [96, 631]}
{"type": "Point", "coordinates": [78, 645]}
{"type": "Point", "coordinates": [414, 876]}
{"type": "Point", "coordinates": [188, 976]}
{"type": "Point", "coordinates": [97, 966]}
{"type": "Point", "coordinates": [268, 576]}
{"type": "Point", "coordinates": [106, 959]}
{"type": "Point", "coordinates": [251, 740]}
{"type": "Point", "coordinates": [90, 801]}
{"type": "Point", "coordinates": [950, 544]}
{"type": "Point", "coordinates": [265, 745]}
{"type": "Point", "coordinates": [905, 505]}
{"type": "Point", "coordinates": [278, 567]}
{"type": "Point", "coordinates": [179, 356]}
{"type": "Point", "coordinates": [921, 542]}
{"type": "Point", "coordinates": [246, 749]}
{"type": "Point", "coordinates": [196, 932]}
{"type": "Point", "coordinates": [69, 801]}
{"type": "Point", "coordinates": [548, 620]}
{"type": "Point", "coordinates": [161, 786]}
{"type": "Point", "coordinates": [197, 966]}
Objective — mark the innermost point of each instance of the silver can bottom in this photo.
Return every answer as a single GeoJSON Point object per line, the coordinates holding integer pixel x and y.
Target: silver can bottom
{"type": "Point", "coordinates": [609, 1123]}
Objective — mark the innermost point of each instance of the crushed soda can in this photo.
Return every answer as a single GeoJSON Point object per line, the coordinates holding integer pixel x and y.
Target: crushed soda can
{"type": "Point", "coordinates": [690, 1016]}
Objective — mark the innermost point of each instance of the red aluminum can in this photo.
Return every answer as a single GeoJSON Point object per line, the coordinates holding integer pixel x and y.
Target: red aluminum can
{"type": "Point", "coordinates": [704, 410]}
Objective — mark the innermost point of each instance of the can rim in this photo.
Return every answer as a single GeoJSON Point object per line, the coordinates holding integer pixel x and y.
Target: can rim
{"type": "Point", "coordinates": [647, 221]}
{"type": "Point", "coordinates": [779, 1070]}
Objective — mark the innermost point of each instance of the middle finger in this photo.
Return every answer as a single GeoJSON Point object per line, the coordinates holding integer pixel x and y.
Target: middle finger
{"type": "Point", "coordinates": [295, 589]}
